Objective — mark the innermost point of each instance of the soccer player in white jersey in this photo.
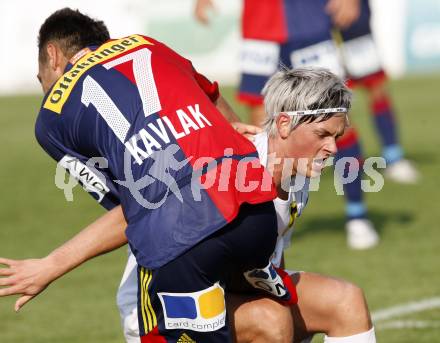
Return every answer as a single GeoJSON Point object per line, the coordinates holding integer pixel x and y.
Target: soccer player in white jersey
{"type": "Point", "coordinates": [333, 34]}
{"type": "Point", "coordinates": [307, 112]}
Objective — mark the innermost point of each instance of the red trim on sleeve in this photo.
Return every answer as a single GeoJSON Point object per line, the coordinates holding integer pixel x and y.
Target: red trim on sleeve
{"type": "Point", "coordinates": [210, 88]}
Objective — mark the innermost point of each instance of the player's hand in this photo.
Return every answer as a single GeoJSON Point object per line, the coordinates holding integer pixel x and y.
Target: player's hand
{"type": "Point", "coordinates": [247, 130]}
{"type": "Point", "coordinates": [27, 278]}
{"type": "Point", "coordinates": [343, 12]}
{"type": "Point", "coordinates": [201, 10]}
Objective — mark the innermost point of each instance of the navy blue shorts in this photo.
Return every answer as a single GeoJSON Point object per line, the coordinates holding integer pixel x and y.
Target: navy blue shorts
{"type": "Point", "coordinates": [183, 301]}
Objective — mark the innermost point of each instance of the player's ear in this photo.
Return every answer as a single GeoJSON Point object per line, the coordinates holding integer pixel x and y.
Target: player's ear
{"type": "Point", "coordinates": [283, 125]}
{"type": "Point", "coordinates": [51, 52]}
{"type": "Point", "coordinates": [55, 57]}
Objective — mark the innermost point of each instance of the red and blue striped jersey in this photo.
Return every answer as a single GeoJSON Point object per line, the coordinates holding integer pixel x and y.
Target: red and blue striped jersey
{"type": "Point", "coordinates": [284, 20]}
{"type": "Point", "coordinates": [176, 166]}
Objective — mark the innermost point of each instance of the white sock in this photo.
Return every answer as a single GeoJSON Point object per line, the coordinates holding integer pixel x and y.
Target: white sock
{"type": "Point", "coordinates": [363, 337]}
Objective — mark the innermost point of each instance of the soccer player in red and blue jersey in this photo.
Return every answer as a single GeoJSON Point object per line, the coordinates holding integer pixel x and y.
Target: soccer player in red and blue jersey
{"type": "Point", "coordinates": [150, 121]}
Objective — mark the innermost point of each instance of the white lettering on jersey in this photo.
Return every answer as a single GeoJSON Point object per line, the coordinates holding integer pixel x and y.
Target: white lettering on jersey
{"type": "Point", "coordinates": [143, 74]}
{"type": "Point", "coordinates": [94, 94]}
{"type": "Point", "coordinates": [190, 121]}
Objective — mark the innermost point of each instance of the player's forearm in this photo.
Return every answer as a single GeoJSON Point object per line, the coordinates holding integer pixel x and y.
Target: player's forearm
{"type": "Point", "coordinates": [227, 111]}
{"type": "Point", "coordinates": [105, 234]}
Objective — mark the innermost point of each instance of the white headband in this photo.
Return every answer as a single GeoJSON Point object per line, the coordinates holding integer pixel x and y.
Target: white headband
{"type": "Point", "coordinates": [317, 112]}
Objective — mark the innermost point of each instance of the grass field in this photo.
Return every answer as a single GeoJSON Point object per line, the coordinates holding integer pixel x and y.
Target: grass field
{"type": "Point", "coordinates": [81, 307]}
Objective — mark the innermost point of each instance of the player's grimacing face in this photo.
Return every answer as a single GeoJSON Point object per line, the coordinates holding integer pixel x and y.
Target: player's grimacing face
{"type": "Point", "coordinates": [310, 144]}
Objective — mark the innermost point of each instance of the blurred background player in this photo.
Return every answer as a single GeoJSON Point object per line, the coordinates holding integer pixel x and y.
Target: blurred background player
{"type": "Point", "coordinates": [306, 33]}
{"type": "Point", "coordinates": [363, 67]}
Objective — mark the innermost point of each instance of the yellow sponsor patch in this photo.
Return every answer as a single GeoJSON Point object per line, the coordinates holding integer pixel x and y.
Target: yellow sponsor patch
{"type": "Point", "coordinates": [63, 87]}
{"type": "Point", "coordinates": [212, 303]}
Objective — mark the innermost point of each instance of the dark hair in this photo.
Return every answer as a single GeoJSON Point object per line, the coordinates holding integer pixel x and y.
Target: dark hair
{"type": "Point", "coordinates": [72, 31]}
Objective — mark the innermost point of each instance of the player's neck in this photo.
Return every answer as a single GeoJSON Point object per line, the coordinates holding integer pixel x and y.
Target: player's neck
{"type": "Point", "coordinates": [279, 166]}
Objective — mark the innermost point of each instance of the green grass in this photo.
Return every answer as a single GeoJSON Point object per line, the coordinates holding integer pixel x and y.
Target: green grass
{"type": "Point", "coordinates": [81, 307]}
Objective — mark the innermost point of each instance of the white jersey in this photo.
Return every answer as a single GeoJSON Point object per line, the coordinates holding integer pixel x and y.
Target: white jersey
{"type": "Point", "coordinates": [286, 210]}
